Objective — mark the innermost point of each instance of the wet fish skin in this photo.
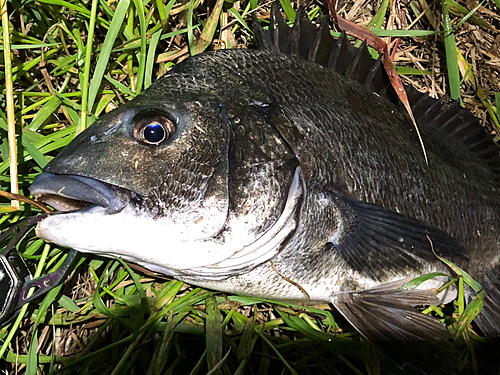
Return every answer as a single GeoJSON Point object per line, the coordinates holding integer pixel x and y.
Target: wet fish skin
{"type": "Point", "coordinates": [321, 132]}
{"type": "Point", "coordinates": [250, 122]}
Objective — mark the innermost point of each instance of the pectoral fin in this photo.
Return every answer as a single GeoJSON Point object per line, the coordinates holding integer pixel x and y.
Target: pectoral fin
{"type": "Point", "coordinates": [376, 241]}
{"type": "Point", "coordinates": [385, 315]}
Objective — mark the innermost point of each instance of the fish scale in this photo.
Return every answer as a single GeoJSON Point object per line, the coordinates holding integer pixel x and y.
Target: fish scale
{"type": "Point", "coordinates": [314, 187]}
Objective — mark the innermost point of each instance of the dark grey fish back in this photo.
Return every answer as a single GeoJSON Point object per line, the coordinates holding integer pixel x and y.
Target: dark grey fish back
{"type": "Point", "coordinates": [304, 40]}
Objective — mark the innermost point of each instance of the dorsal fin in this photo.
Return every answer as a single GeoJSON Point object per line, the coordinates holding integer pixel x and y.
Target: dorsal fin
{"type": "Point", "coordinates": [303, 35]}
{"type": "Point", "coordinates": [456, 123]}
{"type": "Point", "coordinates": [306, 41]}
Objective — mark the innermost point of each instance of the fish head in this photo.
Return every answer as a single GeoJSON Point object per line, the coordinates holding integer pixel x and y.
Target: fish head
{"type": "Point", "coordinates": [150, 173]}
{"type": "Point", "coordinates": [149, 182]}
{"type": "Point", "coordinates": [146, 147]}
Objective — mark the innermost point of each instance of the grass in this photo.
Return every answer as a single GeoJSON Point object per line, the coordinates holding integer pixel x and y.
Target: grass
{"type": "Point", "coordinates": [74, 60]}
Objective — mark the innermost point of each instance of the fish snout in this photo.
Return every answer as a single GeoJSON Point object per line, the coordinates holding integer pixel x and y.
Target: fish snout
{"type": "Point", "coordinates": [72, 192]}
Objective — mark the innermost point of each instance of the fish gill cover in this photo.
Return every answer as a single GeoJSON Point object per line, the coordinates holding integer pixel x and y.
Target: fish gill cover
{"type": "Point", "coordinates": [338, 229]}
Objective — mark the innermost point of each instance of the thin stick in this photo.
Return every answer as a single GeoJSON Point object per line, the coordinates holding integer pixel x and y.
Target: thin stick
{"type": "Point", "coordinates": [9, 99]}
{"type": "Point", "coordinates": [378, 44]}
{"type": "Point", "coordinates": [24, 199]}
{"type": "Point", "coordinates": [291, 282]}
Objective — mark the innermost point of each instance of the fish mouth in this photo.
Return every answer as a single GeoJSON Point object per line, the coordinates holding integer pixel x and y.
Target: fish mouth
{"type": "Point", "coordinates": [71, 192]}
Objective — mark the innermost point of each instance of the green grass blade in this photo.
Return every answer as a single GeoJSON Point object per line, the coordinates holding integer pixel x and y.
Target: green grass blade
{"type": "Point", "coordinates": [277, 352]}
{"type": "Point", "coordinates": [403, 33]}
{"type": "Point", "coordinates": [497, 106]}
{"type": "Point", "coordinates": [469, 15]}
{"type": "Point", "coordinates": [248, 339]}
{"type": "Point", "coordinates": [86, 69]}
{"type": "Point", "coordinates": [451, 53]}
{"type": "Point", "coordinates": [35, 153]}
{"type": "Point", "coordinates": [68, 304]}
{"type": "Point", "coordinates": [240, 19]}
{"type": "Point", "coordinates": [142, 55]}
{"type": "Point", "coordinates": [411, 71]}
{"type": "Point", "coordinates": [48, 299]}
{"type": "Point", "coordinates": [460, 10]}
{"type": "Point", "coordinates": [419, 280]}
{"type": "Point", "coordinates": [44, 113]}
{"type": "Point", "coordinates": [32, 360]}
{"type": "Point", "coordinates": [103, 103]}
{"type": "Point", "coordinates": [469, 313]}
{"type": "Point", "coordinates": [210, 27]}
{"type": "Point", "coordinates": [31, 46]}
{"type": "Point", "coordinates": [162, 349]}
{"type": "Point", "coordinates": [121, 87]}
{"type": "Point", "coordinates": [288, 9]}
{"type": "Point", "coordinates": [213, 333]}
{"type": "Point", "coordinates": [31, 107]}
{"type": "Point", "coordinates": [467, 278]}
{"type": "Point", "coordinates": [26, 66]}
{"type": "Point", "coordinates": [135, 278]}
{"type": "Point", "coordinates": [104, 55]}
{"type": "Point", "coordinates": [148, 79]}
{"type": "Point", "coordinates": [378, 19]}
{"type": "Point", "coordinates": [67, 4]}
{"type": "Point", "coordinates": [190, 34]}
{"type": "Point", "coordinates": [169, 6]}
{"type": "Point", "coordinates": [162, 12]}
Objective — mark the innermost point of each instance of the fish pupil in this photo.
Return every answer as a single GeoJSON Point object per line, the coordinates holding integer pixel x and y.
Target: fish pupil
{"type": "Point", "coordinates": [154, 133]}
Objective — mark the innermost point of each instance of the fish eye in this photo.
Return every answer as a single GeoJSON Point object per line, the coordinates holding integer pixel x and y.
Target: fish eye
{"type": "Point", "coordinates": [154, 133]}
{"type": "Point", "coordinates": [152, 127]}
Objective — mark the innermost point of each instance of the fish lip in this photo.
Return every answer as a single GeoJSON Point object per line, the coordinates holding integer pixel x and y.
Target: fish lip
{"type": "Point", "coordinates": [67, 192]}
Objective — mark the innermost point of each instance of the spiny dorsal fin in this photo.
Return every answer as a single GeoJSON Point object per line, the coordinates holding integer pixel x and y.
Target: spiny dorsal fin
{"type": "Point", "coordinates": [303, 35]}
{"type": "Point", "coordinates": [457, 123]}
{"type": "Point", "coordinates": [281, 37]}
{"type": "Point", "coordinates": [308, 42]}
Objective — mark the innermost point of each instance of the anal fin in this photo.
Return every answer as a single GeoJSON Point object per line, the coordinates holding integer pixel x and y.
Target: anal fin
{"type": "Point", "coordinates": [385, 315]}
{"type": "Point", "coordinates": [488, 319]}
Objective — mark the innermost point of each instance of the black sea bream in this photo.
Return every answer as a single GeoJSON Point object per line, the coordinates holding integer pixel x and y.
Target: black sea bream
{"type": "Point", "coordinates": [240, 169]}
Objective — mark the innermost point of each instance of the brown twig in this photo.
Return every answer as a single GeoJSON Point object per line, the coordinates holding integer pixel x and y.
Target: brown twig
{"type": "Point", "coordinates": [381, 47]}
{"type": "Point", "coordinates": [22, 198]}
{"type": "Point", "coordinates": [291, 282]}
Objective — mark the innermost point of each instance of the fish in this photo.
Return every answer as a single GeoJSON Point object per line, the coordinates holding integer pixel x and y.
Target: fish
{"type": "Point", "coordinates": [291, 172]}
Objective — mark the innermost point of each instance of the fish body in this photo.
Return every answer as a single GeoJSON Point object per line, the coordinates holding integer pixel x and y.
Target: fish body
{"type": "Point", "coordinates": [262, 173]}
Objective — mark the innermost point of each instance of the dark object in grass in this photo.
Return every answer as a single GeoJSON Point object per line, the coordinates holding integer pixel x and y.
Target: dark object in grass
{"type": "Point", "coordinates": [16, 280]}
{"type": "Point", "coordinates": [297, 153]}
